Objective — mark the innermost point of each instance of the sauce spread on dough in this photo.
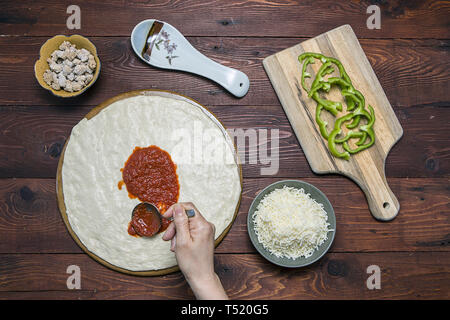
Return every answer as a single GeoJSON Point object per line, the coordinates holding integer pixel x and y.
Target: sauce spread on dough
{"type": "Point", "coordinates": [150, 175]}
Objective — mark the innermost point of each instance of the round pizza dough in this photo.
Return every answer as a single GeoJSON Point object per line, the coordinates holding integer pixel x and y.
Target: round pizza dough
{"type": "Point", "coordinates": [99, 213]}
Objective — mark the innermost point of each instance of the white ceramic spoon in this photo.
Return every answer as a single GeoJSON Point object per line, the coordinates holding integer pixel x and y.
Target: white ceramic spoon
{"type": "Point", "coordinates": [161, 45]}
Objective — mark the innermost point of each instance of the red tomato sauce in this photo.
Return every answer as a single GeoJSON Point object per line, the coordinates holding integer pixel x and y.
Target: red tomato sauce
{"type": "Point", "coordinates": [150, 175]}
{"type": "Point", "coordinates": [144, 223]}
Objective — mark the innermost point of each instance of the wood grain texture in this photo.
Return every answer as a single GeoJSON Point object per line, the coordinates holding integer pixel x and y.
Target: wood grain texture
{"type": "Point", "coordinates": [285, 18]}
{"type": "Point", "coordinates": [30, 221]}
{"type": "Point", "coordinates": [412, 72]}
{"type": "Point", "coordinates": [365, 168]}
{"type": "Point", "coordinates": [34, 152]}
{"type": "Point", "coordinates": [419, 275]}
{"type": "Point", "coordinates": [410, 56]}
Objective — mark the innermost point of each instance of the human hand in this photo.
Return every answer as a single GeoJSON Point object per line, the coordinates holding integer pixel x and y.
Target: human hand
{"type": "Point", "coordinates": [192, 240]}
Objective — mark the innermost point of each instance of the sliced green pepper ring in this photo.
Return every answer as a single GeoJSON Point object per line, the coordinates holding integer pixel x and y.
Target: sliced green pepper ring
{"type": "Point", "coordinates": [324, 59]}
{"type": "Point", "coordinates": [322, 124]}
{"type": "Point", "coordinates": [352, 135]}
{"type": "Point", "coordinates": [366, 129]}
{"type": "Point", "coordinates": [353, 98]}
{"type": "Point", "coordinates": [318, 81]}
{"type": "Point", "coordinates": [371, 135]}
{"type": "Point", "coordinates": [336, 131]}
{"type": "Point", "coordinates": [305, 74]}
{"type": "Point", "coordinates": [331, 106]}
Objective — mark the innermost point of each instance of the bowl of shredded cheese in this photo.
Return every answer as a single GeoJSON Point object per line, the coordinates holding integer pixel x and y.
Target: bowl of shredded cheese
{"type": "Point", "coordinates": [291, 223]}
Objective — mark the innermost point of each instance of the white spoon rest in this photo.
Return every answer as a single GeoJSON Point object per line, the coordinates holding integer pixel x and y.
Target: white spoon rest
{"type": "Point", "coordinates": [161, 45]}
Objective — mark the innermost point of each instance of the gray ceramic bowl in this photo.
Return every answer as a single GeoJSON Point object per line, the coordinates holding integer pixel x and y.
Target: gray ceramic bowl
{"type": "Point", "coordinates": [317, 195]}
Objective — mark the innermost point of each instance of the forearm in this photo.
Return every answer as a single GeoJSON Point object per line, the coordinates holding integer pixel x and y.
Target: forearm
{"type": "Point", "coordinates": [208, 288]}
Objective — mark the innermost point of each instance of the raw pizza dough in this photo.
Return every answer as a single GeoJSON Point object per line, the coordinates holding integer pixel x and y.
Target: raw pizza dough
{"type": "Point", "coordinates": [99, 213]}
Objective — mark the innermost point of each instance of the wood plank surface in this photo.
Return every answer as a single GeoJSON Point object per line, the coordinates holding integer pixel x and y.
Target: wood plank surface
{"type": "Point", "coordinates": [404, 275]}
{"type": "Point", "coordinates": [412, 72]}
{"type": "Point", "coordinates": [34, 152]}
{"type": "Point", "coordinates": [410, 57]}
{"type": "Point", "coordinates": [31, 222]}
{"type": "Point", "coordinates": [285, 18]}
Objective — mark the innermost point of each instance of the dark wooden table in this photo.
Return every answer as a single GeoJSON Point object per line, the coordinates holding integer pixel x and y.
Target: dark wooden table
{"type": "Point", "coordinates": [410, 55]}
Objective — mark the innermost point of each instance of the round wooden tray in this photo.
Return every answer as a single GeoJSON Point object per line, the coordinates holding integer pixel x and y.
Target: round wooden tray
{"type": "Point", "coordinates": [93, 113]}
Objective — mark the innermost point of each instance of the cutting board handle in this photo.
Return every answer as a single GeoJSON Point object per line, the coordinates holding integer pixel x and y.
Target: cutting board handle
{"type": "Point", "coordinates": [382, 202]}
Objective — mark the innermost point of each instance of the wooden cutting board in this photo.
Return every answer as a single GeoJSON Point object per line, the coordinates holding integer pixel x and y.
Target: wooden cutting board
{"type": "Point", "coordinates": [366, 168]}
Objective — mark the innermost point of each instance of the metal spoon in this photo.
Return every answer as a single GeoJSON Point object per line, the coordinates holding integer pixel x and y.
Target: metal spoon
{"type": "Point", "coordinates": [152, 209]}
{"type": "Point", "coordinates": [161, 45]}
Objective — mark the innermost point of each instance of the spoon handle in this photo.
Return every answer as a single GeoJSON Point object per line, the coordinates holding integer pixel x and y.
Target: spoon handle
{"type": "Point", "coordinates": [190, 213]}
{"type": "Point", "coordinates": [235, 81]}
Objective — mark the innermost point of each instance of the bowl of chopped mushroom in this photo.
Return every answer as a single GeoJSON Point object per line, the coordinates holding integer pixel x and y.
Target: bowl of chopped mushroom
{"type": "Point", "coordinates": [67, 66]}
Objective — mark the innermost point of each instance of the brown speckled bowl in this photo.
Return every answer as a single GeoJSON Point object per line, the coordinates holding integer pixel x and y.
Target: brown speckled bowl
{"type": "Point", "coordinates": [53, 44]}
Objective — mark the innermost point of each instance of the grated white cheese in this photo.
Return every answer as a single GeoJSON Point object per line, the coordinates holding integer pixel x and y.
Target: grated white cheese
{"type": "Point", "coordinates": [289, 223]}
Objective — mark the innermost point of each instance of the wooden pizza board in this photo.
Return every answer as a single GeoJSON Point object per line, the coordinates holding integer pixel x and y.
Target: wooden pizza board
{"type": "Point", "coordinates": [93, 113]}
{"type": "Point", "coordinates": [366, 168]}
